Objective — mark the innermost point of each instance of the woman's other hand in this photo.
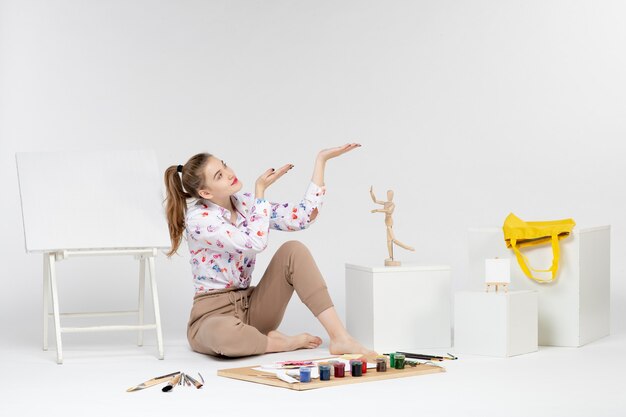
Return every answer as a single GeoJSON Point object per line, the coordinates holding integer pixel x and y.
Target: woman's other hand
{"type": "Point", "coordinates": [268, 178]}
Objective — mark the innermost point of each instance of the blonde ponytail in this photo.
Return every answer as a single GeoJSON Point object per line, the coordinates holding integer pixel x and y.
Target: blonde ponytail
{"type": "Point", "coordinates": [179, 188]}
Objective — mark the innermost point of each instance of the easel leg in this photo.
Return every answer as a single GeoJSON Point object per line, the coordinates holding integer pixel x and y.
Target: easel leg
{"type": "Point", "coordinates": [46, 300]}
{"type": "Point", "coordinates": [155, 302]}
{"type": "Point", "coordinates": [142, 284]}
{"type": "Point", "coordinates": [55, 306]}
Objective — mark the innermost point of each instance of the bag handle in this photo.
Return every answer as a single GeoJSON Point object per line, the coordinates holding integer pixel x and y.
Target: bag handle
{"type": "Point", "coordinates": [523, 261]}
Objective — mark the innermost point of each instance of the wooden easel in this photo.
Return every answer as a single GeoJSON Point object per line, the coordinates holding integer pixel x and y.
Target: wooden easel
{"type": "Point", "coordinates": [50, 296]}
{"type": "Point", "coordinates": [497, 274]}
{"type": "Point", "coordinates": [105, 203]}
{"type": "Point", "coordinates": [496, 285]}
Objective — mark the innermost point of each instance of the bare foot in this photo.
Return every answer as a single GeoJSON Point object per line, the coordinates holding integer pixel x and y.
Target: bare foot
{"type": "Point", "coordinates": [348, 344]}
{"type": "Point", "coordinates": [279, 342]}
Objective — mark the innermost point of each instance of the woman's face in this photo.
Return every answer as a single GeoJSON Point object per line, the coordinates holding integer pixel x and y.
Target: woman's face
{"type": "Point", "coordinates": [221, 181]}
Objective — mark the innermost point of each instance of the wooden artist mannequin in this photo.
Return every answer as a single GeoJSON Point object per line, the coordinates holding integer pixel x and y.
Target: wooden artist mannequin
{"type": "Point", "coordinates": [388, 208]}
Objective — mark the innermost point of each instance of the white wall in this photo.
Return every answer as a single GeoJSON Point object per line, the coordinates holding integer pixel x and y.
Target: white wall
{"type": "Point", "coordinates": [467, 109]}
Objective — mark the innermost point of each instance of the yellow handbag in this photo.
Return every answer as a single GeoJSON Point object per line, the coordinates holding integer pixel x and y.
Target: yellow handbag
{"type": "Point", "coordinates": [519, 234]}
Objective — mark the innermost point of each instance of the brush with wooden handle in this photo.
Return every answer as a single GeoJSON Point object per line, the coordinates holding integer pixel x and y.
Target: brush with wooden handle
{"type": "Point", "coordinates": [193, 381]}
{"type": "Point", "coordinates": [154, 381]}
{"type": "Point", "coordinates": [170, 385]}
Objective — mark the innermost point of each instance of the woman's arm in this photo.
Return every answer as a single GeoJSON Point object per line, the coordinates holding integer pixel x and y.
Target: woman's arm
{"type": "Point", "coordinates": [318, 179]}
{"type": "Point", "coordinates": [318, 171]}
{"type": "Point", "coordinates": [291, 217]}
{"type": "Point", "coordinates": [320, 164]}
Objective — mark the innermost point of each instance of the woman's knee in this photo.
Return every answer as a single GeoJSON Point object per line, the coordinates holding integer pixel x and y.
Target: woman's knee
{"type": "Point", "coordinates": [212, 334]}
{"type": "Point", "coordinates": [295, 247]}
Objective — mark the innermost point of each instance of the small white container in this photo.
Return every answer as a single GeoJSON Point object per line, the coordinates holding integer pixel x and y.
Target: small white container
{"type": "Point", "coordinates": [495, 324]}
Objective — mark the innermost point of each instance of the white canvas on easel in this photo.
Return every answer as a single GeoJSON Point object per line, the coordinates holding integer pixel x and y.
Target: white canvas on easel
{"type": "Point", "coordinates": [92, 204]}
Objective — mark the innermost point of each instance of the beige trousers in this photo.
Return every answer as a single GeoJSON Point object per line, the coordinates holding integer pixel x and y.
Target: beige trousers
{"type": "Point", "coordinates": [236, 322]}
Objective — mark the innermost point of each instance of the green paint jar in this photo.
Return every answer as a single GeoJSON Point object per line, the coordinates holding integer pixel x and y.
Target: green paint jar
{"type": "Point", "coordinates": [399, 361]}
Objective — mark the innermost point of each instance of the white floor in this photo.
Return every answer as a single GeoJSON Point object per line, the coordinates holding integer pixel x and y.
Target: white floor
{"type": "Point", "coordinates": [587, 381]}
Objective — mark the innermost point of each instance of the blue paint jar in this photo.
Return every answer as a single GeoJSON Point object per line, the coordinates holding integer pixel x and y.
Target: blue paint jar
{"type": "Point", "coordinates": [305, 374]}
{"type": "Point", "coordinates": [324, 372]}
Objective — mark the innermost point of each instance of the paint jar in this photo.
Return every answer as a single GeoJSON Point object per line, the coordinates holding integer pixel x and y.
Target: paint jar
{"type": "Point", "coordinates": [332, 367]}
{"type": "Point", "coordinates": [320, 364]}
{"type": "Point", "coordinates": [381, 365]}
{"type": "Point", "coordinates": [399, 361]}
{"type": "Point", "coordinates": [392, 360]}
{"type": "Point", "coordinates": [364, 366]}
{"type": "Point", "coordinates": [356, 368]}
{"type": "Point", "coordinates": [305, 374]}
{"type": "Point", "coordinates": [324, 372]}
{"type": "Point", "coordinates": [340, 369]}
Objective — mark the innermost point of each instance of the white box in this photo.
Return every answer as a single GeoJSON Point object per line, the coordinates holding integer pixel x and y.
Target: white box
{"type": "Point", "coordinates": [573, 310]}
{"type": "Point", "coordinates": [495, 324]}
{"type": "Point", "coordinates": [398, 307]}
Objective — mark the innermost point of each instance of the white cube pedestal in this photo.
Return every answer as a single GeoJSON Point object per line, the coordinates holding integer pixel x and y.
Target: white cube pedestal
{"type": "Point", "coordinates": [573, 310]}
{"type": "Point", "coordinates": [398, 307]}
{"type": "Point", "coordinates": [495, 324]}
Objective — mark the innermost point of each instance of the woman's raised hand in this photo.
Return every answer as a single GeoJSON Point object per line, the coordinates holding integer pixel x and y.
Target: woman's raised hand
{"type": "Point", "coordinates": [326, 154]}
{"type": "Point", "coordinates": [268, 178]}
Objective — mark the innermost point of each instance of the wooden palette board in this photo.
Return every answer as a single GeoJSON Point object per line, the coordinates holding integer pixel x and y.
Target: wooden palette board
{"type": "Point", "coordinates": [249, 374]}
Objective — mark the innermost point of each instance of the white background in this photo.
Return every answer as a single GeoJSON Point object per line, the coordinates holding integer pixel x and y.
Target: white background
{"type": "Point", "coordinates": [467, 109]}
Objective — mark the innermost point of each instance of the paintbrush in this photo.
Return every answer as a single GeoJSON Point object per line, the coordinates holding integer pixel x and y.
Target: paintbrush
{"type": "Point", "coordinates": [173, 382]}
{"type": "Point", "coordinates": [153, 381]}
{"type": "Point", "coordinates": [428, 357]}
{"type": "Point", "coordinates": [193, 381]}
{"type": "Point", "coordinates": [282, 375]}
